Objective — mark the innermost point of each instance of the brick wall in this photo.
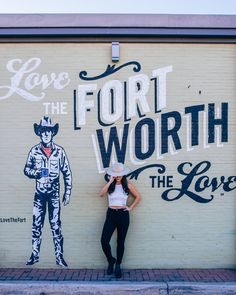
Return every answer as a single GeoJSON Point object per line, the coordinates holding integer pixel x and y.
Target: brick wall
{"type": "Point", "coordinates": [190, 231]}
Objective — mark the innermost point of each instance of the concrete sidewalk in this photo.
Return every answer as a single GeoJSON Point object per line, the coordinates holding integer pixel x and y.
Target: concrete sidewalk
{"type": "Point", "coordinates": [34, 281]}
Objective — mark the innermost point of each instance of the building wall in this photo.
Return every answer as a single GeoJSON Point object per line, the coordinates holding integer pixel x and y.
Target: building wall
{"type": "Point", "coordinates": [186, 97]}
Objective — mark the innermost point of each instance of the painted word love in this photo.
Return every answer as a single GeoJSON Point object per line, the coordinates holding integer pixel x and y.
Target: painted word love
{"type": "Point", "coordinates": [24, 80]}
{"type": "Point", "coordinates": [196, 179]}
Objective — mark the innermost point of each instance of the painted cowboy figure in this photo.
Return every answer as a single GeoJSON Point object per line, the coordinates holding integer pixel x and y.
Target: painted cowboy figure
{"type": "Point", "coordinates": [45, 162]}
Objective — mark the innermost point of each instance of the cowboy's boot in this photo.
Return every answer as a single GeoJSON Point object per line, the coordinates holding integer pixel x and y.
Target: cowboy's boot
{"type": "Point", "coordinates": [58, 243]}
{"type": "Point", "coordinates": [60, 261]}
{"type": "Point", "coordinates": [34, 258]}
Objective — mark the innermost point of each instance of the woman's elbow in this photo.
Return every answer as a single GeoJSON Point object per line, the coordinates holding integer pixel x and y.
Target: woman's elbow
{"type": "Point", "coordinates": [101, 194]}
{"type": "Point", "coordinates": [138, 198]}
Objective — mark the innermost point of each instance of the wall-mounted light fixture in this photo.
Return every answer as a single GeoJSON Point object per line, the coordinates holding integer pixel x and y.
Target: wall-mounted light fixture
{"type": "Point", "coordinates": [115, 51]}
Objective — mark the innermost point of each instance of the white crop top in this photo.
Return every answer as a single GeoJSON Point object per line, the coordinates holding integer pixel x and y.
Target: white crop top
{"type": "Point", "coordinates": [118, 197]}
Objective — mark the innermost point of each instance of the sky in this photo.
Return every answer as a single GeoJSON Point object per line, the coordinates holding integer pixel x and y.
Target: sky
{"type": "Point", "coordinates": [120, 6]}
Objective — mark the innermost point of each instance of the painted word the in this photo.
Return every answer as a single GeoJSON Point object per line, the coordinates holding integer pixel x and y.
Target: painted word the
{"type": "Point", "coordinates": [161, 181]}
{"type": "Point", "coordinates": [25, 80]}
{"type": "Point", "coordinates": [58, 108]}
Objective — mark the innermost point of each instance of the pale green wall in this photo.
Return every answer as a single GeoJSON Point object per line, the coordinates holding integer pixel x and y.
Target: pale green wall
{"type": "Point", "coordinates": [178, 234]}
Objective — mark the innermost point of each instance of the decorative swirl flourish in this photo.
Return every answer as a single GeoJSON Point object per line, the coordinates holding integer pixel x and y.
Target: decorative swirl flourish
{"type": "Point", "coordinates": [110, 70]}
{"type": "Point", "coordinates": [135, 174]}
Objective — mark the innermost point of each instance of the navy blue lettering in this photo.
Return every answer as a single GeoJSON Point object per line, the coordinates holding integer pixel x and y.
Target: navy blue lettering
{"type": "Point", "coordinates": [169, 181]}
{"type": "Point", "coordinates": [165, 132]}
{"type": "Point", "coordinates": [112, 101]}
{"type": "Point", "coordinates": [223, 122]}
{"type": "Point", "coordinates": [155, 95]}
{"type": "Point", "coordinates": [161, 181]}
{"type": "Point", "coordinates": [120, 149]}
{"type": "Point", "coordinates": [194, 111]}
{"type": "Point", "coordinates": [201, 183]}
{"type": "Point", "coordinates": [138, 139]}
{"type": "Point", "coordinates": [99, 111]}
{"type": "Point", "coordinates": [204, 181]}
{"type": "Point", "coordinates": [176, 193]}
{"type": "Point", "coordinates": [153, 180]}
{"type": "Point", "coordinates": [75, 114]}
{"type": "Point", "coordinates": [226, 186]}
{"type": "Point", "coordinates": [125, 103]}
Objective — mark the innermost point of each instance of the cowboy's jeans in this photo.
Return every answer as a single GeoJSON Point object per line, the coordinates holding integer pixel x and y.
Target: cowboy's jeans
{"type": "Point", "coordinates": [39, 211]}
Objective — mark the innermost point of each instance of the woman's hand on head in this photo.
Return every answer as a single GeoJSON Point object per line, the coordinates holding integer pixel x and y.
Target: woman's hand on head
{"type": "Point", "coordinates": [111, 179]}
{"type": "Point", "coordinates": [106, 186]}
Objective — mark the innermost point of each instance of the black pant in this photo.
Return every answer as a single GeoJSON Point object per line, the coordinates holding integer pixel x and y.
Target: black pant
{"type": "Point", "coordinates": [115, 219]}
{"type": "Point", "coordinates": [41, 201]}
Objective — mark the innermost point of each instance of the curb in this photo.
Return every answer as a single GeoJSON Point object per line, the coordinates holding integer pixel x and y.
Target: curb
{"type": "Point", "coordinates": [121, 288]}
{"type": "Point", "coordinates": [178, 288]}
{"type": "Point", "coordinates": [81, 288]}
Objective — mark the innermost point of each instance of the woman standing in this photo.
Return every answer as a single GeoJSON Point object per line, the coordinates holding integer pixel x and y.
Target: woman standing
{"type": "Point", "coordinates": [117, 217]}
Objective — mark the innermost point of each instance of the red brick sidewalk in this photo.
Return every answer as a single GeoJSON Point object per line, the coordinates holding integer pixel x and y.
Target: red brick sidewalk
{"type": "Point", "coordinates": [138, 275]}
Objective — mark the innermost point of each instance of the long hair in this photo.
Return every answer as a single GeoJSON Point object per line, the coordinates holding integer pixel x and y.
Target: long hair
{"type": "Point", "coordinates": [124, 184]}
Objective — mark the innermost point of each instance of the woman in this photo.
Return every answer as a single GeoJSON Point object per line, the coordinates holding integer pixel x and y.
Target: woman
{"type": "Point", "coordinates": [117, 217]}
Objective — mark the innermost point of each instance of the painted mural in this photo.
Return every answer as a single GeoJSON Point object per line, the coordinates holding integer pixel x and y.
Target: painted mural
{"type": "Point", "coordinates": [45, 161]}
{"type": "Point", "coordinates": [153, 138]}
{"type": "Point", "coordinates": [164, 110]}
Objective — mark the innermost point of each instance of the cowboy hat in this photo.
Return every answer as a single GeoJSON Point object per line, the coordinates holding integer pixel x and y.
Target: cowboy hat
{"type": "Point", "coordinates": [45, 124]}
{"type": "Point", "coordinates": [118, 169]}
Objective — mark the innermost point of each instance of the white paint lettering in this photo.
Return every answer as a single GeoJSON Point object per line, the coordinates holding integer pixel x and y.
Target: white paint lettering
{"type": "Point", "coordinates": [137, 90]}
{"type": "Point", "coordinates": [83, 104]}
{"type": "Point", "coordinates": [24, 75]}
{"type": "Point", "coordinates": [111, 101]}
{"type": "Point", "coordinates": [160, 74]}
{"type": "Point", "coordinates": [58, 108]}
